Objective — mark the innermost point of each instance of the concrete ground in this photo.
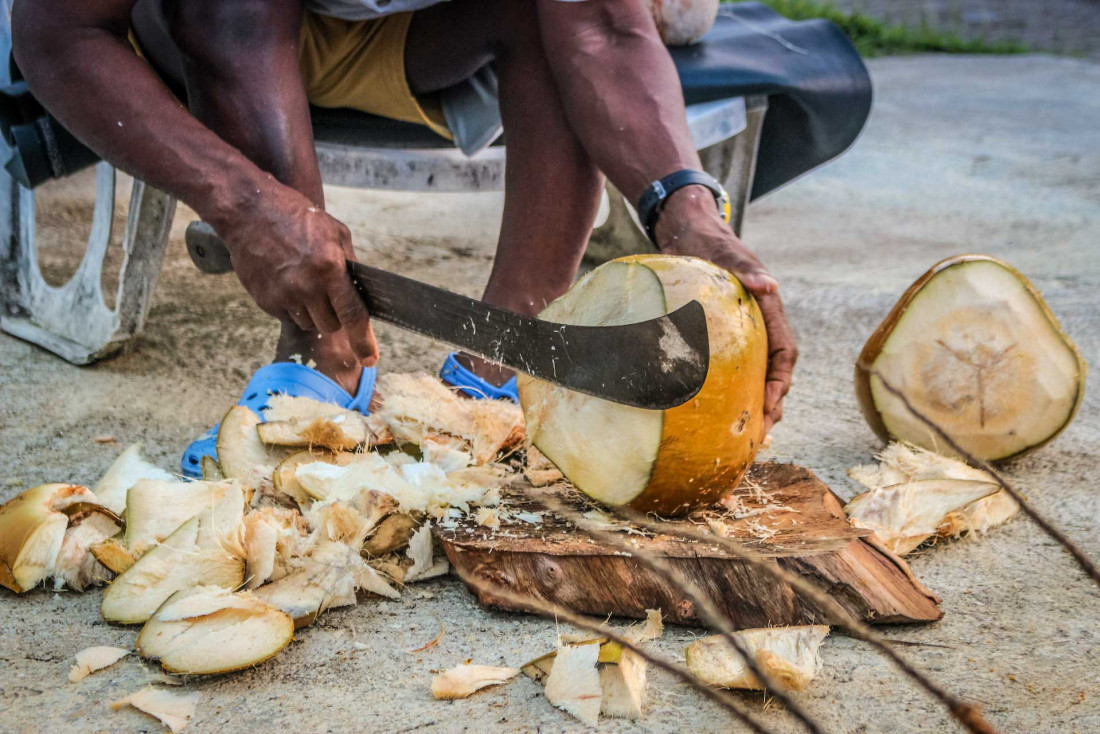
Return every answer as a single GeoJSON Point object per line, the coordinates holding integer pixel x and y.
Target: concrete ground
{"type": "Point", "coordinates": [996, 155]}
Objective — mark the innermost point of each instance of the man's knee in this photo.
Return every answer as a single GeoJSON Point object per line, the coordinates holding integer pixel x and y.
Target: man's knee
{"type": "Point", "coordinates": [215, 32]}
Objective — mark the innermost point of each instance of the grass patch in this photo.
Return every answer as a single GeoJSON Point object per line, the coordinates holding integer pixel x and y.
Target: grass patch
{"type": "Point", "coordinates": [874, 38]}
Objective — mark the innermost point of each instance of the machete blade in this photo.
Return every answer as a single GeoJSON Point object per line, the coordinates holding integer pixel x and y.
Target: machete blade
{"type": "Point", "coordinates": [656, 364]}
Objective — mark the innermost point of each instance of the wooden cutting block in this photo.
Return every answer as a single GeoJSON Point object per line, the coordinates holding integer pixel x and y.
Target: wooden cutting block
{"type": "Point", "coordinates": [784, 512]}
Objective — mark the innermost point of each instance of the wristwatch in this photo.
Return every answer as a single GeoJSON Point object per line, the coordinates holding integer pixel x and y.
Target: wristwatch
{"type": "Point", "coordinates": [652, 201]}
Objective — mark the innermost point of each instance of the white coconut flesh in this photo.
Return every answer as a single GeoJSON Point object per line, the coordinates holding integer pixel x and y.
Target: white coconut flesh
{"type": "Point", "coordinates": [155, 508]}
{"type": "Point", "coordinates": [174, 710]}
{"type": "Point", "coordinates": [33, 527]}
{"type": "Point", "coordinates": [605, 448]}
{"type": "Point", "coordinates": [124, 473]}
{"type": "Point", "coordinates": [75, 564]}
{"type": "Point", "coordinates": [790, 655]}
{"type": "Point", "coordinates": [977, 353]}
{"type": "Point", "coordinates": [464, 680]}
{"type": "Point", "coordinates": [204, 550]}
{"type": "Point", "coordinates": [901, 463]}
{"type": "Point", "coordinates": [241, 453]}
{"type": "Point", "coordinates": [213, 630]}
{"type": "Point", "coordinates": [905, 515]}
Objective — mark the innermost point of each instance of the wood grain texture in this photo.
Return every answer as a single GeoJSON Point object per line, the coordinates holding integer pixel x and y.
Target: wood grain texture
{"type": "Point", "coordinates": [555, 561]}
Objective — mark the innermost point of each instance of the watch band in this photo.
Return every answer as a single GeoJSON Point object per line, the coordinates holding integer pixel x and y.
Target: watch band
{"type": "Point", "coordinates": [652, 201]}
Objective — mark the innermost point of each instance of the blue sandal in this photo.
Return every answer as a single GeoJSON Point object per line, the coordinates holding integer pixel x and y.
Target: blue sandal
{"type": "Point", "coordinates": [288, 378]}
{"type": "Point", "coordinates": [468, 383]}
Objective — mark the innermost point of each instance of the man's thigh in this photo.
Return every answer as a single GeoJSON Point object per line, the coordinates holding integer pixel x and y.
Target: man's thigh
{"type": "Point", "coordinates": [449, 42]}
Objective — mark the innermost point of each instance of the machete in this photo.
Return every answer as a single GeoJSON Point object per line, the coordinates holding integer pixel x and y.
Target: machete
{"type": "Point", "coordinates": [656, 364]}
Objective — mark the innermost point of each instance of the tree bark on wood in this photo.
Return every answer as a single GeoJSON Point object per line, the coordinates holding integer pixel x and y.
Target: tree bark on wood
{"type": "Point", "coordinates": [785, 513]}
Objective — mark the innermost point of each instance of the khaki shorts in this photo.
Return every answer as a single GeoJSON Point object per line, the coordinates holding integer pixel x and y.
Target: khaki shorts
{"type": "Point", "coordinates": [361, 65]}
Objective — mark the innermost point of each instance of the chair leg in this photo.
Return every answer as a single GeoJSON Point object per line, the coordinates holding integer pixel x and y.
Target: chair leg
{"type": "Point", "coordinates": [731, 161]}
{"type": "Point", "coordinates": [73, 321]}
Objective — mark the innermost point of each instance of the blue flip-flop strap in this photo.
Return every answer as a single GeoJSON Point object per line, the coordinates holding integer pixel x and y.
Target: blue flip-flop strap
{"type": "Point", "coordinates": [454, 374]}
{"type": "Point", "coordinates": [288, 378]}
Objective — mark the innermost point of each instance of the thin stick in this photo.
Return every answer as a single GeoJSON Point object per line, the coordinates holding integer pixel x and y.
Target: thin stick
{"type": "Point", "coordinates": [708, 610]}
{"type": "Point", "coordinates": [965, 713]}
{"type": "Point", "coordinates": [555, 611]}
{"type": "Point", "coordinates": [1083, 561]}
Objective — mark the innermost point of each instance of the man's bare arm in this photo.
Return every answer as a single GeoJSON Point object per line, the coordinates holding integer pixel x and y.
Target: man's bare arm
{"type": "Point", "coordinates": [623, 99]}
{"type": "Point", "coordinates": [78, 62]}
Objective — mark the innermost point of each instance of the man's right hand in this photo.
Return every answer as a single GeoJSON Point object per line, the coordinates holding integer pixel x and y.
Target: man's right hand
{"type": "Point", "coordinates": [290, 256]}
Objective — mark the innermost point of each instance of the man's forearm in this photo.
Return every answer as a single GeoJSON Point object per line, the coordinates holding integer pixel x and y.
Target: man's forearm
{"type": "Point", "coordinates": [620, 89]}
{"type": "Point", "coordinates": [84, 71]}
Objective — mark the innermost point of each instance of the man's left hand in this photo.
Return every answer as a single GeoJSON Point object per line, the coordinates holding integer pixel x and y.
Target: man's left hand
{"type": "Point", "coordinates": [689, 225]}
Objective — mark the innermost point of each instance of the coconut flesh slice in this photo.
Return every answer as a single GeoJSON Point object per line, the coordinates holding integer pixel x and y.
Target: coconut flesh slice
{"type": "Point", "coordinates": [574, 683]}
{"type": "Point", "coordinates": [420, 552]}
{"type": "Point", "coordinates": [75, 564]}
{"type": "Point", "coordinates": [271, 535]}
{"type": "Point", "coordinates": [663, 461]}
{"type": "Point", "coordinates": [788, 654]}
{"type": "Point", "coordinates": [905, 515]}
{"type": "Point", "coordinates": [464, 680]}
{"type": "Point", "coordinates": [113, 553]}
{"type": "Point", "coordinates": [974, 347]}
{"type": "Point", "coordinates": [91, 659]}
{"type": "Point", "coordinates": [900, 463]}
{"type": "Point", "coordinates": [174, 710]}
{"type": "Point", "coordinates": [33, 526]}
{"type": "Point", "coordinates": [304, 422]}
{"type": "Point", "coordinates": [204, 550]}
{"type": "Point", "coordinates": [241, 453]}
{"type": "Point", "coordinates": [419, 408]}
{"type": "Point", "coordinates": [286, 482]}
{"type": "Point", "coordinates": [124, 473]}
{"type": "Point", "coordinates": [155, 508]}
{"type": "Point", "coordinates": [207, 630]}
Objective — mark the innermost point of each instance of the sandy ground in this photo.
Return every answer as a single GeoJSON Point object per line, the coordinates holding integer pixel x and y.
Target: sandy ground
{"type": "Point", "coordinates": [997, 155]}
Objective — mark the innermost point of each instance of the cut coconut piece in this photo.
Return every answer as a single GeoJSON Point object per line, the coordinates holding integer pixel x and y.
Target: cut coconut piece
{"type": "Point", "coordinates": [683, 22]}
{"type": "Point", "coordinates": [76, 565]}
{"type": "Point", "coordinates": [974, 347]}
{"type": "Point", "coordinates": [420, 552]}
{"type": "Point", "coordinates": [900, 463]}
{"type": "Point", "coordinates": [204, 550]}
{"type": "Point", "coordinates": [113, 554]}
{"type": "Point", "coordinates": [419, 408]}
{"type": "Point", "coordinates": [154, 509]}
{"type": "Point", "coordinates": [623, 686]}
{"type": "Point", "coordinates": [662, 461]}
{"type": "Point", "coordinates": [124, 473]}
{"type": "Point", "coordinates": [270, 536]}
{"type": "Point", "coordinates": [905, 515]}
{"type": "Point", "coordinates": [788, 654]}
{"type": "Point", "coordinates": [91, 659]}
{"type": "Point", "coordinates": [346, 431]}
{"type": "Point", "coordinates": [287, 483]}
{"type": "Point", "coordinates": [32, 531]}
{"type": "Point", "coordinates": [211, 469]}
{"type": "Point", "coordinates": [392, 534]}
{"type": "Point", "coordinates": [464, 680]}
{"type": "Point", "coordinates": [174, 710]}
{"type": "Point", "coordinates": [417, 486]}
{"type": "Point", "coordinates": [241, 453]}
{"type": "Point", "coordinates": [325, 578]}
{"type": "Point", "coordinates": [574, 683]}
{"type": "Point", "coordinates": [207, 630]}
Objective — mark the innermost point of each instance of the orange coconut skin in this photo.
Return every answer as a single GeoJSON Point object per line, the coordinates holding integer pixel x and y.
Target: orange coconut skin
{"type": "Point", "coordinates": [708, 443]}
{"type": "Point", "coordinates": [873, 348]}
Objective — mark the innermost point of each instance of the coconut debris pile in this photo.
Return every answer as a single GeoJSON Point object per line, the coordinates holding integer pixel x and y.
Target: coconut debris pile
{"type": "Point", "coordinates": [307, 508]}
